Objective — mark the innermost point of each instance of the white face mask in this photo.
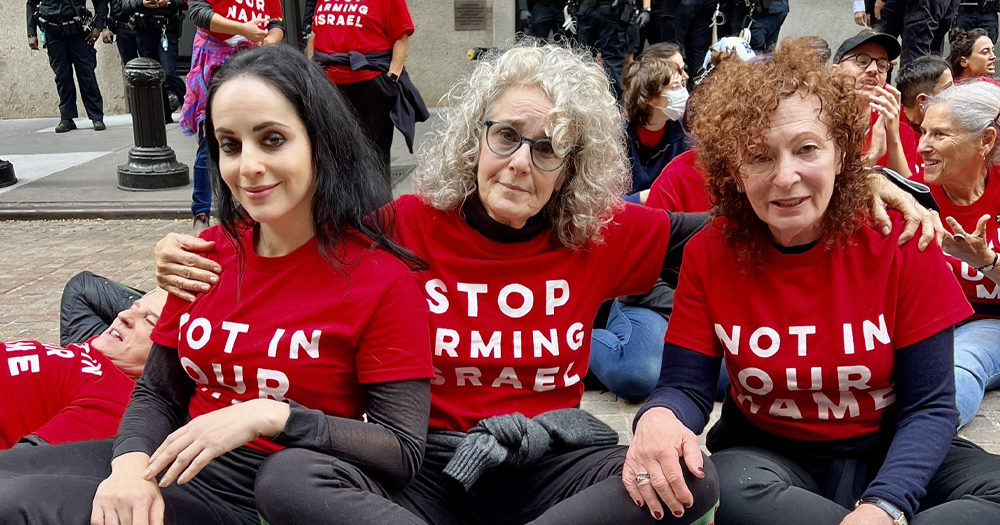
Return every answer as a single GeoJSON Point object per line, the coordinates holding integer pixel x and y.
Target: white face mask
{"type": "Point", "coordinates": [676, 103]}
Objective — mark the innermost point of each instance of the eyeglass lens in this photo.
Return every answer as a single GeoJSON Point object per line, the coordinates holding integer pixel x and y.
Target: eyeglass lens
{"type": "Point", "coordinates": [504, 139]}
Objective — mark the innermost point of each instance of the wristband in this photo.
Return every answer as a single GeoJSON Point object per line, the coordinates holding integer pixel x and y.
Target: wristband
{"type": "Point", "coordinates": [988, 267]}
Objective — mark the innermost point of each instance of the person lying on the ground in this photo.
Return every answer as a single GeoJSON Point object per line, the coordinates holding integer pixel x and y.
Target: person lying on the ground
{"type": "Point", "coordinates": [52, 394]}
{"type": "Point", "coordinates": [90, 303]}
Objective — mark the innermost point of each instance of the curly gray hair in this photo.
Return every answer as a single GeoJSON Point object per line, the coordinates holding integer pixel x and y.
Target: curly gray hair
{"type": "Point", "coordinates": [585, 120]}
{"type": "Point", "coordinates": [974, 107]}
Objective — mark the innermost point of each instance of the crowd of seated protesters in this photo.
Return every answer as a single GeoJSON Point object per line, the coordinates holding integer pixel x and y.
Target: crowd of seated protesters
{"type": "Point", "coordinates": [78, 389]}
{"type": "Point", "coordinates": [459, 405]}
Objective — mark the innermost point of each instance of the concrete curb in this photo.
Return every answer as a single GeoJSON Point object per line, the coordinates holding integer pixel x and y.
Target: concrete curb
{"type": "Point", "coordinates": [47, 211]}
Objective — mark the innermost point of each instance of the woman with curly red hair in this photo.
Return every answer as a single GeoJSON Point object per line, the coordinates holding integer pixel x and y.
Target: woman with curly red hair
{"type": "Point", "coordinates": [839, 348]}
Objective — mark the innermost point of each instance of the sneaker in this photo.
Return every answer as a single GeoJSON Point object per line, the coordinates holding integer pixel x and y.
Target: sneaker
{"type": "Point", "coordinates": [174, 102]}
{"type": "Point", "coordinates": [99, 125]}
{"type": "Point", "coordinates": [200, 223]}
{"type": "Point", "coordinates": [65, 125]}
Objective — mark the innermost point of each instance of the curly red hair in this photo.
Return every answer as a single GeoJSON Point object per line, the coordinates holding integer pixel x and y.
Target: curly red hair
{"type": "Point", "coordinates": [734, 113]}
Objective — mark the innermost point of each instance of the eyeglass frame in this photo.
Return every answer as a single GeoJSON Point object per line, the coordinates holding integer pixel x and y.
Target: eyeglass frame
{"type": "Point", "coordinates": [531, 145]}
{"type": "Point", "coordinates": [871, 59]}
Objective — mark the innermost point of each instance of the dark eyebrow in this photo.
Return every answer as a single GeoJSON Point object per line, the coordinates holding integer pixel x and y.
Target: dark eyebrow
{"type": "Point", "coordinates": [516, 124]}
{"type": "Point", "coordinates": [258, 127]}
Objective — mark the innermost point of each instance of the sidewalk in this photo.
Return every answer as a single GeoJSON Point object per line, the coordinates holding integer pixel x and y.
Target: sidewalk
{"type": "Point", "coordinates": [74, 175]}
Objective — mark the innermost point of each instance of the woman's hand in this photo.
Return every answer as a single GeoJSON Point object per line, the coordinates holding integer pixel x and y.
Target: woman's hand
{"type": "Point", "coordinates": [125, 498]}
{"type": "Point", "coordinates": [888, 195]}
{"type": "Point", "coordinates": [179, 268]}
{"type": "Point", "coordinates": [190, 448]}
{"type": "Point", "coordinates": [867, 515]}
{"type": "Point", "coordinates": [252, 30]}
{"type": "Point", "coordinates": [971, 248]}
{"type": "Point", "coordinates": [661, 440]}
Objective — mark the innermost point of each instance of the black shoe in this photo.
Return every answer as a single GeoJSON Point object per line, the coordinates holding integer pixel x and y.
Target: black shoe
{"type": "Point", "coordinates": [65, 125]}
{"type": "Point", "coordinates": [99, 125]}
{"type": "Point", "coordinates": [174, 102]}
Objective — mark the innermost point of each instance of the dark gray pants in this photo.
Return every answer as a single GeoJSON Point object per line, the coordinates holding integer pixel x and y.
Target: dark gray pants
{"type": "Point", "coordinates": [580, 487]}
{"type": "Point", "coordinates": [55, 485]}
{"type": "Point", "coordinates": [760, 486]}
{"type": "Point", "coordinates": [68, 53]}
{"type": "Point", "coordinates": [970, 17]}
{"type": "Point", "coordinates": [922, 24]}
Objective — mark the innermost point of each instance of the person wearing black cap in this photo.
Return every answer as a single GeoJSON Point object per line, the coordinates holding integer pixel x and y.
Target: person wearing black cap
{"type": "Point", "coordinates": [866, 57]}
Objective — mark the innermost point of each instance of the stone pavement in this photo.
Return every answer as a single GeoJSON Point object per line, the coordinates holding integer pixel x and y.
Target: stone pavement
{"type": "Point", "coordinates": [38, 257]}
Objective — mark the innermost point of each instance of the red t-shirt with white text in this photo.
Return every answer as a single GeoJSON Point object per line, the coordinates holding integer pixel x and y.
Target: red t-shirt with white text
{"type": "Point", "coordinates": [364, 26]}
{"type": "Point", "coordinates": [978, 288]}
{"type": "Point", "coordinates": [60, 394]}
{"type": "Point", "coordinates": [245, 11]}
{"type": "Point", "coordinates": [809, 339]}
{"type": "Point", "coordinates": [296, 327]}
{"type": "Point", "coordinates": [510, 323]}
{"type": "Point", "coordinates": [680, 186]}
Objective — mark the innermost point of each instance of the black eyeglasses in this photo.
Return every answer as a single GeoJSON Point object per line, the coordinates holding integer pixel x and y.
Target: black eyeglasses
{"type": "Point", "coordinates": [863, 61]}
{"type": "Point", "coordinates": [504, 139]}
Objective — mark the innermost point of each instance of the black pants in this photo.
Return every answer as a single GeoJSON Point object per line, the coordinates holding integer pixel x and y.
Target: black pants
{"type": "Point", "coordinates": [765, 27]}
{"type": "Point", "coordinates": [127, 42]}
{"type": "Point", "coordinates": [150, 45]}
{"type": "Point", "coordinates": [66, 54]}
{"type": "Point", "coordinates": [55, 485]}
{"type": "Point", "coordinates": [601, 30]}
{"type": "Point", "coordinates": [89, 304]}
{"type": "Point", "coordinates": [760, 486]}
{"type": "Point", "coordinates": [922, 24]}
{"type": "Point", "coordinates": [580, 487]}
{"type": "Point", "coordinates": [970, 17]}
{"type": "Point", "coordinates": [546, 19]}
{"type": "Point", "coordinates": [373, 101]}
{"type": "Point", "coordinates": [691, 21]}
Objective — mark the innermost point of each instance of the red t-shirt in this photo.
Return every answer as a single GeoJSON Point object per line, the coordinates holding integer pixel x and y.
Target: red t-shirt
{"type": "Point", "coordinates": [680, 186]}
{"type": "Point", "coordinates": [978, 288]}
{"type": "Point", "coordinates": [649, 137]}
{"type": "Point", "coordinates": [59, 394]}
{"type": "Point", "coordinates": [809, 339]}
{"type": "Point", "coordinates": [510, 323]}
{"type": "Point", "coordinates": [910, 140]}
{"type": "Point", "coordinates": [296, 327]}
{"type": "Point", "coordinates": [245, 11]}
{"type": "Point", "coordinates": [364, 26]}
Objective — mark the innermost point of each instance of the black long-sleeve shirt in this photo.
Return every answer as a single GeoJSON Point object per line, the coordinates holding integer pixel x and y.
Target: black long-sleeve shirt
{"type": "Point", "coordinates": [925, 406]}
{"type": "Point", "coordinates": [64, 10]}
{"type": "Point", "coordinates": [390, 445]}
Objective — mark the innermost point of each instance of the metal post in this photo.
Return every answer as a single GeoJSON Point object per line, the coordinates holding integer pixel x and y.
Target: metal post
{"type": "Point", "coordinates": [7, 177]}
{"type": "Point", "coordinates": [151, 165]}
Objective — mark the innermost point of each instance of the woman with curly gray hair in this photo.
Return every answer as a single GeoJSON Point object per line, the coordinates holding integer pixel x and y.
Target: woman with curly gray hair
{"type": "Point", "coordinates": [520, 220]}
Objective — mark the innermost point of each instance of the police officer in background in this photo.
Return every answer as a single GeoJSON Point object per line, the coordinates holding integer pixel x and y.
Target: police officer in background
{"type": "Point", "coordinates": [158, 26]}
{"type": "Point", "coordinates": [981, 14]}
{"type": "Point", "coordinates": [68, 31]}
{"type": "Point", "coordinates": [604, 28]}
{"type": "Point", "coordinates": [543, 17]}
{"type": "Point", "coordinates": [120, 32]}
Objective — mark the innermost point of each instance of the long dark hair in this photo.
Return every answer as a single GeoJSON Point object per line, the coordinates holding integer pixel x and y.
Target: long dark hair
{"type": "Point", "coordinates": [351, 191]}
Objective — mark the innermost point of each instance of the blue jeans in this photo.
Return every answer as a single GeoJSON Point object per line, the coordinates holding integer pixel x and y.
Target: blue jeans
{"type": "Point", "coordinates": [977, 365]}
{"type": "Point", "coordinates": [627, 356]}
{"type": "Point", "coordinates": [201, 197]}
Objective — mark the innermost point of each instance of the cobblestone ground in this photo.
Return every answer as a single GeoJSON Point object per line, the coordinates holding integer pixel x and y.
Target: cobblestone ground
{"type": "Point", "coordinates": [38, 257]}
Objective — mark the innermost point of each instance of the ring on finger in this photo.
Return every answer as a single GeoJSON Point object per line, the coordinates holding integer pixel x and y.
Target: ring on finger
{"type": "Point", "coordinates": [642, 476]}
{"type": "Point", "coordinates": [959, 237]}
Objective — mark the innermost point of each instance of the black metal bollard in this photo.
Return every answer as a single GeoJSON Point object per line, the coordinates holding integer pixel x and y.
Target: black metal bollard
{"type": "Point", "coordinates": [7, 177]}
{"type": "Point", "coordinates": [151, 165]}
